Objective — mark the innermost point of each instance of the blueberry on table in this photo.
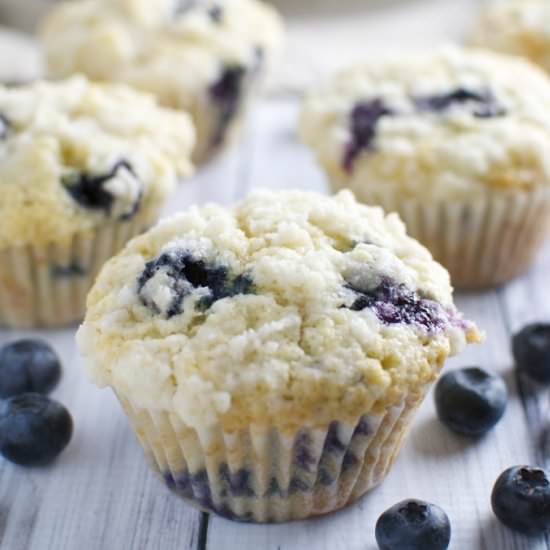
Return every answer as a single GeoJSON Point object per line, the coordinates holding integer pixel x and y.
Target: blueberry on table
{"type": "Point", "coordinates": [28, 366]}
{"type": "Point", "coordinates": [521, 499]}
{"type": "Point", "coordinates": [413, 525]}
{"type": "Point", "coordinates": [34, 429]}
{"type": "Point", "coordinates": [470, 401]}
{"type": "Point", "coordinates": [531, 349]}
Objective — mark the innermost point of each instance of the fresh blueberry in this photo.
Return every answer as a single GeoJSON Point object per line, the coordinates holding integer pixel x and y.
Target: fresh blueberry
{"type": "Point", "coordinates": [183, 273]}
{"type": "Point", "coordinates": [484, 103]}
{"type": "Point", "coordinates": [227, 93]}
{"type": "Point", "coordinates": [531, 349]}
{"type": "Point", "coordinates": [28, 366]}
{"type": "Point", "coordinates": [521, 499]}
{"type": "Point", "coordinates": [364, 118]}
{"type": "Point", "coordinates": [4, 127]}
{"type": "Point", "coordinates": [89, 190]}
{"type": "Point", "coordinates": [470, 401]}
{"type": "Point", "coordinates": [413, 525]}
{"type": "Point", "coordinates": [34, 429]}
{"type": "Point", "coordinates": [394, 303]}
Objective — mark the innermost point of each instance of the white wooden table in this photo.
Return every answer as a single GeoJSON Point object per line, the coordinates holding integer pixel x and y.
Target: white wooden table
{"type": "Point", "coordinates": [100, 494]}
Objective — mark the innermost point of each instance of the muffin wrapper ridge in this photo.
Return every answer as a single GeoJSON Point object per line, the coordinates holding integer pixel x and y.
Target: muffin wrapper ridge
{"type": "Point", "coordinates": [483, 242]}
{"type": "Point", "coordinates": [46, 286]}
{"type": "Point", "coordinates": [263, 475]}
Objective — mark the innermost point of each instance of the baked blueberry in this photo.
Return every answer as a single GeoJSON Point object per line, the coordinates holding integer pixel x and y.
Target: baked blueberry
{"type": "Point", "coordinates": [227, 95]}
{"type": "Point", "coordinates": [484, 103]}
{"type": "Point", "coordinates": [413, 525]}
{"type": "Point", "coordinates": [182, 273]}
{"type": "Point", "coordinates": [521, 499]}
{"type": "Point", "coordinates": [92, 191]}
{"type": "Point", "coordinates": [531, 349]}
{"type": "Point", "coordinates": [28, 366]}
{"type": "Point", "coordinates": [470, 401]}
{"type": "Point", "coordinates": [34, 429]}
{"type": "Point", "coordinates": [364, 118]}
{"type": "Point", "coordinates": [4, 127]}
{"type": "Point", "coordinates": [394, 303]}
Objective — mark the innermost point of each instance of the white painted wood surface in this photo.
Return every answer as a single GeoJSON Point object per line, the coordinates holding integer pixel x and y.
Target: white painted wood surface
{"type": "Point", "coordinates": [100, 494]}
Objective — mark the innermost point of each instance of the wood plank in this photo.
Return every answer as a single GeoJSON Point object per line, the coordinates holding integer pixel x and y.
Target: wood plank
{"type": "Point", "coordinates": [435, 465]}
{"type": "Point", "coordinates": [99, 493]}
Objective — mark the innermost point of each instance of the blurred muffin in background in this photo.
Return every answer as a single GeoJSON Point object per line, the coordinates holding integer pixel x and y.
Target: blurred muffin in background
{"type": "Point", "coordinates": [456, 141]}
{"type": "Point", "coordinates": [205, 57]}
{"type": "Point", "coordinates": [520, 27]}
{"type": "Point", "coordinates": [84, 168]}
{"type": "Point", "coordinates": [23, 14]}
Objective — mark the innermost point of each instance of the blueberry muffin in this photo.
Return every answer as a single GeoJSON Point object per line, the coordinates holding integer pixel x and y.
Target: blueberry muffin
{"type": "Point", "coordinates": [519, 27]}
{"type": "Point", "coordinates": [456, 141]}
{"type": "Point", "coordinates": [206, 57]}
{"type": "Point", "coordinates": [84, 168]}
{"type": "Point", "coordinates": [270, 356]}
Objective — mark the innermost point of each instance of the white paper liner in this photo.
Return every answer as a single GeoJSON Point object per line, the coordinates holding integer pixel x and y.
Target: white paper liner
{"type": "Point", "coordinates": [484, 242]}
{"type": "Point", "coordinates": [46, 286]}
{"type": "Point", "coordinates": [264, 475]}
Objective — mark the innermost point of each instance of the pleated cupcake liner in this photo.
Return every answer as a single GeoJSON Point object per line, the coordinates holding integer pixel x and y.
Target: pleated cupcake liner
{"type": "Point", "coordinates": [484, 242]}
{"type": "Point", "coordinates": [264, 475]}
{"type": "Point", "coordinates": [46, 285]}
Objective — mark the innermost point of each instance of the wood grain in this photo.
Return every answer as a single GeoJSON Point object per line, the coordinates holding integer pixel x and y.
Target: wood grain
{"type": "Point", "coordinates": [100, 494]}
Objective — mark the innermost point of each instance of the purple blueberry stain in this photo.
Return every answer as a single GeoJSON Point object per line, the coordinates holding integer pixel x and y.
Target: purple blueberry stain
{"type": "Point", "coordinates": [349, 461]}
{"type": "Point", "coordinates": [238, 483]}
{"type": "Point", "coordinates": [298, 485]}
{"type": "Point", "coordinates": [185, 273]}
{"type": "Point", "coordinates": [483, 102]}
{"type": "Point", "coordinates": [169, 480]}
{"type": "Point", "coordinates": [394, 303]}
{"type": "Point", "coordinates": [324, 477]}
{"type": "Point", "coordinates": [364, 119]}
{"type": "Point", "coordinates": [362, 428]}
{"type": "Point", "coordinates": [274, 489]}
{"type": "Point", "coordinates": [333, 445]}
{"type": "Point", "coordinates": [303, 458]}
{"type": "Point", "coordinates": [89, 190]}
{"type": "Point", "coordinates": [227, 93]}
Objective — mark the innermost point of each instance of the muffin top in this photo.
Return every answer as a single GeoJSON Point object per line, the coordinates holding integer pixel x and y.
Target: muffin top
{"type": "Point", "coordinates": [76, 155]}
{"type": "Point", "coordinates": [290, 308]}
{"type": "Point", "coordinates": [448, 124]}
{"type": "Point", "coordinates": [180, 44]}
{"type": "Point", "coordinates": [519, 27]}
